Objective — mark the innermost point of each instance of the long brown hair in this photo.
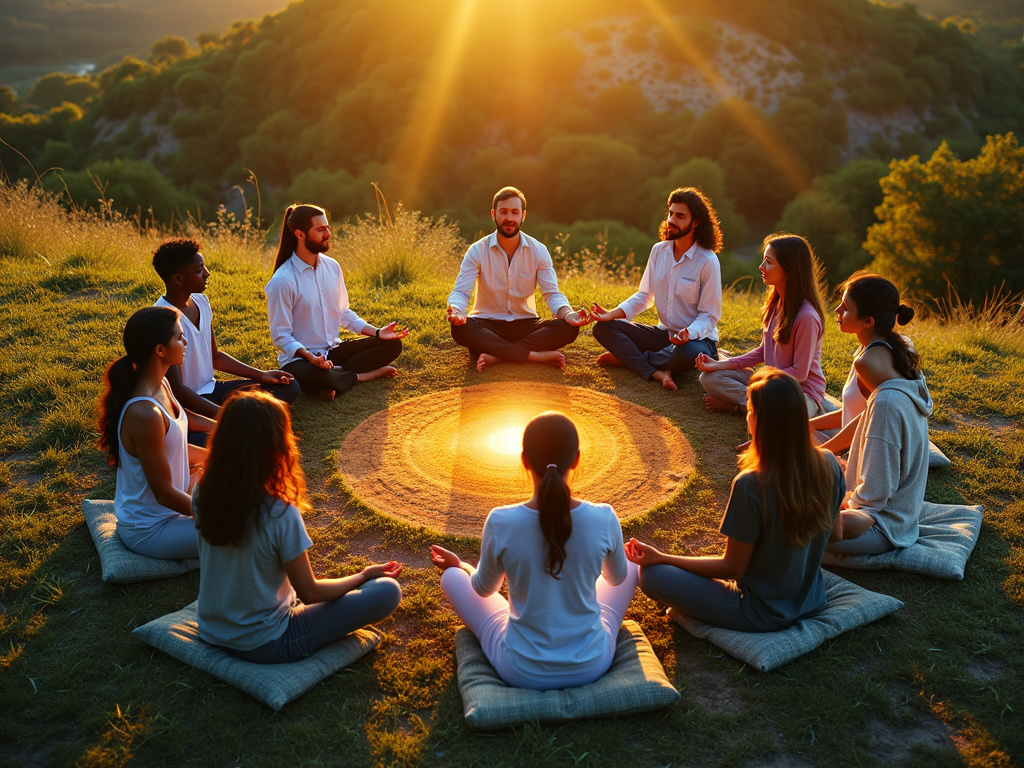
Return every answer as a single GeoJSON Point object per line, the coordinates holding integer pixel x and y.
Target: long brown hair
{"type": "Point", "coordinates": [143, 333]}
{"type": "Point", "coordinates": [804, 281]}
{"type": "Point", "coordinates": [878, 298]}
{"type": "Point", "coordinates": [252, 455]}
{"type": "Point", "coordinates": [299, 216]}
{"type": "Point", "coordinates": [708, 233]}
{"type": "Point", "coordinates": [787, 463]}
{"type": "Point", "coordinates": [550, 446]}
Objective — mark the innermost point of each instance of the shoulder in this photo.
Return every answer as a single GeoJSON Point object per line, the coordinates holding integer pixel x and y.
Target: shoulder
{"type": "Point", "coordinates": [143, 415]}
{"type": "Point", "coordinates": [535, 245]}
{"type": "Point", "coordinates": [284, 276]}
{"type": "Point", "coordinates": [201, 301]}
{"type": "Point", "coordinates": [807, 314]}
{"type": "Point", "coordinates": [746, 482]}
{"type": "Point", "coordinates": [703, 254]}
{"type": "Point", "coordinates": [480, 247]}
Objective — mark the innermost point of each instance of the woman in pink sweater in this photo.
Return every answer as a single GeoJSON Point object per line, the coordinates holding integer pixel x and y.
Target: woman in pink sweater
{"type": "Point", "coordinates": [793, 322]}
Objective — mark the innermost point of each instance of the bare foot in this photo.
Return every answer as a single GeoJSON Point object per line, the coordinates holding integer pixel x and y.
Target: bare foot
{"type": "Point", "coordinates": [665, 377]}
{"type": "Point", "coordinates": [554, 358]}
{"type": "Point", "coordinates": [327, 395]}
{"type": "Point", "coordinates": [485, 360]}
{"type": "Point", "coordinates": [385, 372]}
{"type": "Point", "coordinates": [714, 404]}
{"type": "Point", "coordinates": [609, 359]}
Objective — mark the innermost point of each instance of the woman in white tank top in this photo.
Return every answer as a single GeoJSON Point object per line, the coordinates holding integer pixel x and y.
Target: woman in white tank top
{"type": "Point", "coordinates": [143, 429]}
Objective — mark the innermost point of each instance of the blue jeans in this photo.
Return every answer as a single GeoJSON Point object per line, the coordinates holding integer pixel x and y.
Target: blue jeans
{"type": "Point", "coordinates": [311, 627]}
{"type": "Point", "coordinates": [646, 348]}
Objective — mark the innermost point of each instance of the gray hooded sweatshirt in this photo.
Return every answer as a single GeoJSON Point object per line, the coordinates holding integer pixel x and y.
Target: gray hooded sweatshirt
{"type": "Point", "coordinates": [888, 465]}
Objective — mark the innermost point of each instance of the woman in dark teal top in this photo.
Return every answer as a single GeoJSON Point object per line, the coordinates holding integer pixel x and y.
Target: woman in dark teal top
{"type": "Point", "coordinates": [782, 511]}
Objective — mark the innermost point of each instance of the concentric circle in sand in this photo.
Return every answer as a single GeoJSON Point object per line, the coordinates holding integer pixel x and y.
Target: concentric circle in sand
{"type": "Point", "coordinates": [445, 460]}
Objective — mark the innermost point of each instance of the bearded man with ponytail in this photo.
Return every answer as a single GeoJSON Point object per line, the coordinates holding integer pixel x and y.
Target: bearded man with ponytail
{"type": "Point", "coordinates": [569, 582]}
{"type": "Point", "coordinates": [308, 305]}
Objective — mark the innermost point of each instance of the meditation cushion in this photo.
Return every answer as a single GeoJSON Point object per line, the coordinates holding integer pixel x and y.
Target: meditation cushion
{"type": "Point", "coordinates": [177, 634]}
{"type": "Point", "coordinates": [119, 564]}
{"type": "Point", "coordinates": [636, 682]}
{"type": "Point", "coordinates": [947, 535]}
{"type": "Point", "coordinates": [936, 458]}
{"type": "Point", "coordinates": [848, 606]}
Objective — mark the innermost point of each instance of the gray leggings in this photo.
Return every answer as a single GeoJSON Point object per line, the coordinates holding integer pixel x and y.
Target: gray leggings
{"type": "Point", "coordinates": [871, 542]}
{"type": "Point", "coordinates": [171, 539]}
{"type": "Point", "coordinates": [311, 627]}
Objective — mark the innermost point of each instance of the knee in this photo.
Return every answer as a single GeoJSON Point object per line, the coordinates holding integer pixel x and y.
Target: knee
{"type": "Point", "coordinates": [652, 578]}
{"type": "Point", "coordinates": [290, 391]}
{"type": "Point", "coordinates": [387, 593]}
{"type": "Point", "coordinates": [393, 346]}
{"type": "Point", "coordinates": [453, 578]}
{"type": "Point", "coordinates": [460, 334]}
{"type": "Point", "coordinates": [604, 331]}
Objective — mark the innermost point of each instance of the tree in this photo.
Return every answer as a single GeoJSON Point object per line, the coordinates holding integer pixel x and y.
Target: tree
{"type": "Point", "coordinates": [951, 222]}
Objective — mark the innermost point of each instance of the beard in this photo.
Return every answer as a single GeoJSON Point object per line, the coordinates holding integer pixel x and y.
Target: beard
{"type": "Point", "coordinates": [672, 232]}
{"type": "Point", "coordinates": [503, 229]}
{"type": "Point", "coordinates": [321, 247]}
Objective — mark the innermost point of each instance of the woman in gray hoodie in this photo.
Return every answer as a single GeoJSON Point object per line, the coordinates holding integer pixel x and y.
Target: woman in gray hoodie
{"type": "Point", "coordinates": [887, 469]}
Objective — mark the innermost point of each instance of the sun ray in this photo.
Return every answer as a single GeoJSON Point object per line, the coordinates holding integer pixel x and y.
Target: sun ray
{"type": "Point", "coordinates": [426, 116]}
{"type": "Point", "coordinates": [755, 127]}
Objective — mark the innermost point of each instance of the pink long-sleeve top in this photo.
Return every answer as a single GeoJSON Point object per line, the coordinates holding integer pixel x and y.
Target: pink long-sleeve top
{"type": "Point", "coordinates": [801, 357]}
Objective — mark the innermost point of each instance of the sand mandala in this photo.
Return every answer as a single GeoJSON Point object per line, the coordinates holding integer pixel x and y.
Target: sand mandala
{"type": "Point", "coordinates": [444, 460]}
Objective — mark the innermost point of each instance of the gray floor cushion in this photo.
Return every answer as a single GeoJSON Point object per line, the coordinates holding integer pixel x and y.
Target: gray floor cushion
{"type": "Point", "coordinates": [119, 564]}
{"type": "Point", "coordinates": [275, 685]}
{"type": "Point", "coordinates": [936, 458]}
{"type": "Point", "coordinates": [848, 606]}
{"type": "Point", "coordinates": [636, 682]}
{"type": "Point", "coordinates": [947, 535]}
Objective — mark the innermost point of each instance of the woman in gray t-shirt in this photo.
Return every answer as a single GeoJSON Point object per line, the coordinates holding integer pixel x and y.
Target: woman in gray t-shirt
{"type": "Point", "coordinates": [782, 511]}
{"type": "Point", "coordinates": [252, 546]}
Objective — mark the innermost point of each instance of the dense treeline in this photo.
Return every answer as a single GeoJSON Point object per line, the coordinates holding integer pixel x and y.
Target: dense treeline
{"type": "Point", "coordinates": [443, 102]}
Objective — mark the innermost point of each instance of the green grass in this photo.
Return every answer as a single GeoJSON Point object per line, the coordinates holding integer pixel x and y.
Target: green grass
{"type": "Point", "coordinates": [937, 684]}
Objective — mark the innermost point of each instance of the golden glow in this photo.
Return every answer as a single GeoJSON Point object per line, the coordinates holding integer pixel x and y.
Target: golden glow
{"type": "Point", "coordinates": [754, 126]}
{"type": "Point", "coordinates": [507, 441]}
{"type": "Point", "coordinates": [427, 114]}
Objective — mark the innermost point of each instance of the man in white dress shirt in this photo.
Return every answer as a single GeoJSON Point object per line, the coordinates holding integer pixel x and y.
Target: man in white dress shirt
{"type": "Point", "coordinates": [683, 281]}
{"type": "Point", "coordinates": [308, 305]}
{"type": "Point", "coordinates": [506, 267]}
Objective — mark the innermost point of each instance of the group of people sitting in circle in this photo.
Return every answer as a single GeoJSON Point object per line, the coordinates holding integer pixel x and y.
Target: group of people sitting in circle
{"type": "Point", "coordinates": [237, 503]}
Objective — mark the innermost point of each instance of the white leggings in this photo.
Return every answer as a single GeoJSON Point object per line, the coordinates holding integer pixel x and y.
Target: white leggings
{"type": "Point", "coordinates": [487, 618]}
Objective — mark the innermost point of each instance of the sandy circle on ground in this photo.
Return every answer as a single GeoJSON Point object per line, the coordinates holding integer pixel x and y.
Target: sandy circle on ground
{"type": "Point", "coordinates": [445, 460]}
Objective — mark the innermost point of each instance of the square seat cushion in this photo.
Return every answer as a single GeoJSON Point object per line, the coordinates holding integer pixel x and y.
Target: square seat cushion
{"type": "Point", "coordinates": [177, 634]}
{"type": "Point", "coordinates": [936, 458]}
{"type": "Point", "coordinates": [635, 682]}
{"type": "Point", "coordinates": [848, 606]}
{"type": "Point", "coordinates": [119, 564]}
{"type": "Point", "coordinates": [946, 537]}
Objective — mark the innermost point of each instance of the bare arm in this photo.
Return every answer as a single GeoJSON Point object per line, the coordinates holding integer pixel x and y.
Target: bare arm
{"type": "Point", "coordinates": [190, 399]}
{"type": "Point", "coordinates": [312, 590]}
{"type": "Point", "coordinates": [142, 431]}
{"type": "Point", "coordinates": [844, 439]}
{"type": "Point", "coordinates": [732, 564]}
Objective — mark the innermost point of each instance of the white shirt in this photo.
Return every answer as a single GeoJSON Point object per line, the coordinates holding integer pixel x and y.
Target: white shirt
{"type": "Point", "coordinates": [687, 293]}
{"type": "Point", "coordinates": [197, 367]}
{"type": "Point", "coordinates": [555, 624]}
{"type": "Point", "coordinates": [308, 306]}
{"type": "Point", "coordinates": [505, 288]}
{"type": "Point", "coordinates": [135, 504]}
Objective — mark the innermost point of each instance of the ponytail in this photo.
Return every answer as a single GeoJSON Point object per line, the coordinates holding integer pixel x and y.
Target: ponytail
{"type": "Point", "coordinates": [878, 298]}
{"type": "Point", "coordinates": [121, 378]}
{"type": "Point", "coordinates": [298, 216]}
{"type": "Point", "coordinates": [551, 441]}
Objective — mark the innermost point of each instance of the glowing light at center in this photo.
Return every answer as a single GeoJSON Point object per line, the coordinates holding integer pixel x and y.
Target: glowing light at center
{"type": "Point", "coordinates": [507, 441]}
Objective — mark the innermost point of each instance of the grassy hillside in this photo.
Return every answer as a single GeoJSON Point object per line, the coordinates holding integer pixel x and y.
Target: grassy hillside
{"type": "Point", "coordinates": [594, 111]}
{"type": "Point", "coordinates": [937, 684]}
